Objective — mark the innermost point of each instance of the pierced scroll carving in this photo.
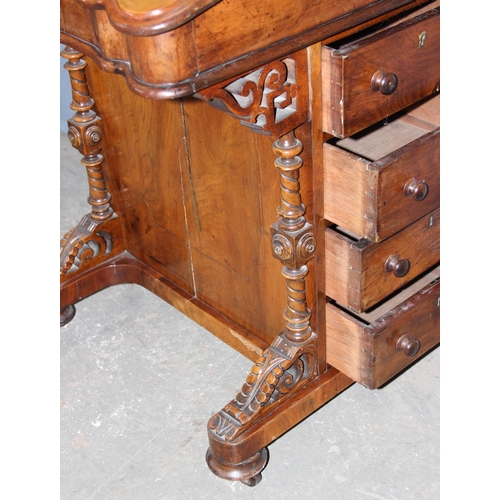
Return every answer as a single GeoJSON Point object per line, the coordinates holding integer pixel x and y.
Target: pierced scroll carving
{"type": "Point", "coordinates": [94, 238]}
{"type": "Point", "coordinates": [282, 369]}
{"type": "Point", "coordinates": [267, 100]}
{"type": "Point", "coordinates": [87, 244]}
{"type": "Point", "coordinates": [291, 361]}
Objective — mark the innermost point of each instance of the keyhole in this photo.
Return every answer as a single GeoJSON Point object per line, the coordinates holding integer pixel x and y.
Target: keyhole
{"type": "Point", "coordinates": [421, 39]}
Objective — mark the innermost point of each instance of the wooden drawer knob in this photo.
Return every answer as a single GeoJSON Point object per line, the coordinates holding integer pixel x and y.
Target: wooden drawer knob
{"type": "Point", "coordinates": [416, 189]}
{"type": "Point", "coordinates": [409, 346]}
{"type": "Point", "coordinates": [386, 83]}
{"type": "Point", "coordinates": [399, 267]}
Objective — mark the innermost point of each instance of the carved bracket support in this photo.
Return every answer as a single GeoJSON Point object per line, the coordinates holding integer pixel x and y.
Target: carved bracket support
{"type": "Point", "coordinates": [292, 359]}
{"type": "Point", "coordinates": [271, 100]}
{"type": "Point", "coordinates": [98, 235]}
{"type": "Point", "coordinates": [88, 244]}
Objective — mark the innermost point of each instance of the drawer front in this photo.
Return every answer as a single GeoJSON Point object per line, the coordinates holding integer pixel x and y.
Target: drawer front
{"type": "Point", "coordinates": [370, 79]}
{"type": "Point", "coordinates": [373, 353]}
{"type": "Point", "coordinates": [377, 199]}
{"type": "Point", "coordinates": [359, 274]}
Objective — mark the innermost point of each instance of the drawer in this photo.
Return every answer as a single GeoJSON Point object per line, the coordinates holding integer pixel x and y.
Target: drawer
{"type": "Point", "coordinates": [372, 348]}
{"type": "Point", "coordinates": [384, 178]}
{"type": "Point", "coordinates": [361, 273]}
{"type": "Point", "coordinates": [372, 77]}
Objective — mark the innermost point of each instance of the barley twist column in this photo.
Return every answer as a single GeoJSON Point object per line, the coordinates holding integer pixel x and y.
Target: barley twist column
{"type": "Point", "coordinates": [293, 241]}
{"type": "Point", "coordinates": [86, 135]}
{"type": "Point", "coordinates": [97, 237]}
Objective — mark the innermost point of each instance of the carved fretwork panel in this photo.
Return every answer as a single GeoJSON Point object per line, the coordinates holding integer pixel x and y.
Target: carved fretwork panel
{"type": "Point", "coordinates": [271, 100]}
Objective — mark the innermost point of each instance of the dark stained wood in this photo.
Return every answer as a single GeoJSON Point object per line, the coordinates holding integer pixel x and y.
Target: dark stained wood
{"type": "Point", "coordinates": [291, 362]}
{"type": "Point", "coordinates": [98, 235]}
{"type": "Point", "coordinates": [230, 38]}
{"type": "Point", "coordinates": [149, 17]}
{"type": "Point", "coordinates": [235, 453]}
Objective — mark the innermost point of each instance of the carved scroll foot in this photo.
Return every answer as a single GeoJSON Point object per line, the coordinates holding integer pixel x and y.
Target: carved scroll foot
{"type": "Point", "coordinates": [67, 314]}
{"type": "Point", "coordinates": [89, 244]}
{"type": "Point", "coordinates": [248, 471]}
{"type": "Point", "coordinates": [240, 431]}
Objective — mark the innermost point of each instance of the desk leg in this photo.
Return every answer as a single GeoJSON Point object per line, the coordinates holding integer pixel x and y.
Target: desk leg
{"type": "Point", "coordinates": [270, 401]}
{"type": "Point", "coordinates": [97, 237]}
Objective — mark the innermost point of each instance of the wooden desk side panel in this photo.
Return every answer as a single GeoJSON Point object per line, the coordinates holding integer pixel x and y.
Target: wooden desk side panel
{"type": "Point", "coordinates": [234, 187]}
{"type": "Point", "coordinates": [76, 20]}
{"type": "Point", "coordinates": [144, 152]}
{"type": "Point", "coordinates": [196, 193]}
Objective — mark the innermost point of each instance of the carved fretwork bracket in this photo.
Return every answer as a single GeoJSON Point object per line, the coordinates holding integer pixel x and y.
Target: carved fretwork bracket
{"type": "Point", "coordinates": [271, 100]}
{"type": "Point", "coordinates": [282, 369]}
{"type": "Point", "coordinates": [88, 244]}
{"type": "Point", "coordinates": [98, 235]}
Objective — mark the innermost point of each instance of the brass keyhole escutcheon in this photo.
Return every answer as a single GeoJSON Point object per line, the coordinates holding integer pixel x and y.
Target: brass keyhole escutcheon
{"type": "Point", "coordinates": [421, 39]}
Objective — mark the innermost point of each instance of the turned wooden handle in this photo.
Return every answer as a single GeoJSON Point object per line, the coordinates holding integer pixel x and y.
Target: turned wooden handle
{"type": "Point", "coordinates": [418, 190]}
{"type": "Point", "coordinates": [386, 83]}
{"type": "Point", "coordinates": [409, 346]}
{"type": "Point", "coordinates": [399, 267]}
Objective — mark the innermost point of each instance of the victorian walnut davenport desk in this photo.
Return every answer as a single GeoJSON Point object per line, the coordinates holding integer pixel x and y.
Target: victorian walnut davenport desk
{"type": "Point", "coordinates": [195, 120]}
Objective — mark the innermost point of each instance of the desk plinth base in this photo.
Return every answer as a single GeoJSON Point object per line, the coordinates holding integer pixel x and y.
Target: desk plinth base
{"type": "Point", "coordinates": [244, 458]}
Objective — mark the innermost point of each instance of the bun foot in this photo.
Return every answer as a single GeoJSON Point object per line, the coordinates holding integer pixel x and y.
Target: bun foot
{"type": "Point", "coordinates": [247, 472]}
{"type": "Point", "coordinates": [252, 481]}
{"type": "Point", "coordinates": [67, 314]}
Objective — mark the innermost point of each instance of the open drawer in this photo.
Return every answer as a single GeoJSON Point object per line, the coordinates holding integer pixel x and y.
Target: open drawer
{"type": "Point", "coordinates": [386, 177]}
{"type": "Point", "coordinates": [374, 75]}
{"type": "Point", "coordinates": [361, 273]}
{"type": "Point", "coordinates": [371, 348]}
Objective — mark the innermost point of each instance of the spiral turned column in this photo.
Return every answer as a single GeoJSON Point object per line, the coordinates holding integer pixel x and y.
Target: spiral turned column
{"type": "Point", "coordinates": [97, 237]}
{"type": "Point", "coordinates": [292, 359]}
{"type": "Point", "coordinates": [86, 135]}
{"type": "Point", "coordinates": [293, 241]}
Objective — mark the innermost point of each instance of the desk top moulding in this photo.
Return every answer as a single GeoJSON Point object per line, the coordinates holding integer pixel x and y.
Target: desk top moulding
{"type": "Point", "coordinates": [167, 49]}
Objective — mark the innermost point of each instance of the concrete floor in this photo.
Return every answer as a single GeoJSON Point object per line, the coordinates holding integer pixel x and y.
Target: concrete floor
{"type": "Point", "coordinates": [139, 382]}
